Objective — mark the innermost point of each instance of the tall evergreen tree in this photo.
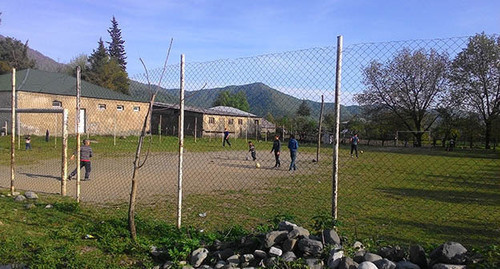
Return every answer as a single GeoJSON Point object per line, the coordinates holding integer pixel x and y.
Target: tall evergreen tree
{"type": "Point", "coordinates": [116, 48]}
{"type": "Point", "coordinates": [14, 54]}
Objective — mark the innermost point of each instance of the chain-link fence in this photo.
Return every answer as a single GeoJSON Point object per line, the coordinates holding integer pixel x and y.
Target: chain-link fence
{"type": "Point", "coordinates": [419, 171]}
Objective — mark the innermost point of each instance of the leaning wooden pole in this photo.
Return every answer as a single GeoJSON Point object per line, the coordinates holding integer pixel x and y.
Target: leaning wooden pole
{"type": "Point", "coordinates": [319, 128]}
{"type": "Point", "coordinates": [338, 78]}
{"type": "Point", "coordinates": [13, 134]}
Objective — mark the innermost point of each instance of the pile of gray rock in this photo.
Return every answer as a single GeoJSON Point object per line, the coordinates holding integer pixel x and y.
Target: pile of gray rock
{"type": "Point", "coordinates": [294, 244]}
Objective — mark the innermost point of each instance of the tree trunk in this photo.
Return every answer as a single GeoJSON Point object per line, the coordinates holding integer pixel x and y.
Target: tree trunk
{"type": "Point", "coordinates": [487, 134]}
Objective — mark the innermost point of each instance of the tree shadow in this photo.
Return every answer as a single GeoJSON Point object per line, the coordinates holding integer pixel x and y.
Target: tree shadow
{"type": "Point", "coordinates": [448, 196]}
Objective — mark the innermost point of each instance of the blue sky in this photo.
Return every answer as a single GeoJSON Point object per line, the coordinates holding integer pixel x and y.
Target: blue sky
{"type": "Point", "coordinates": [207, 30]}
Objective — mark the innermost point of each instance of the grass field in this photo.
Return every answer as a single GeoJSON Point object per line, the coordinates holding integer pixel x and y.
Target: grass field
{"type": "Point", "coordinates": [387, 196]}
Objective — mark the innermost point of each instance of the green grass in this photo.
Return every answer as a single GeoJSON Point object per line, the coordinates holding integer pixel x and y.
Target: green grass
{"type": "Point", "coordinates": [387, 196]}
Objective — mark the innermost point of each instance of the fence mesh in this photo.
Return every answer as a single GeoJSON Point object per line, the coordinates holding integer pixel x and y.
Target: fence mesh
{"type": "Point", "coordinates": [401, 184]}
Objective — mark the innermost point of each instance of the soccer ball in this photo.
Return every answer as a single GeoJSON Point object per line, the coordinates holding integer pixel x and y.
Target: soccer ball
{"type": "Point", "coordinates": [361, 151]}
{"type": "Point", "coordinates": [257, 165]}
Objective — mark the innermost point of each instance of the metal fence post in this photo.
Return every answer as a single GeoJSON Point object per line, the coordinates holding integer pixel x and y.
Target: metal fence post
{"type": "Point", "coordinates": [181, 144]}
{"type": "Point", "coordinates": [64, 172]}
{"type": "Point", "coordinates": [13, 134]}
{"type": "Point", "coordinates": [338, 79]}
{"type": "Point", "coordinates": [78, 133]}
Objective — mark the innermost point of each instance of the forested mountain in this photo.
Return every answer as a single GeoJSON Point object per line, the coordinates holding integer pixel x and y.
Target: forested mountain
{"type": "Point", "coordinates": [262, 99]}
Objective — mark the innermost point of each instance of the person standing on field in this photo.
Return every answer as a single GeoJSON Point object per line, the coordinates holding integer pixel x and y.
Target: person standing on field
{"type": "Point", "coordinates": [354, 144]}
{"type": "Point", "coordinates": [293, 145]}
{"type": "Point", "coordinates": [85, 155]}
{"type": "Point", "coordinates": [226, 138]}
{"type": "Point", "coordinates": [251, 148]}
{"type": "Point", "coordinates": [277, 150]}
{"type": "Point", "coordinates": [28, 142]}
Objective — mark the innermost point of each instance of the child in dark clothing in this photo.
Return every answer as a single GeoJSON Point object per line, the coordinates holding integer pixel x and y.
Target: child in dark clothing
{"type": "Point", "coordinates": [251, 148]}
{"type": "Point", "coordinates": [85, 155]}
{"type": "Point", "coordinates": [28, 142]}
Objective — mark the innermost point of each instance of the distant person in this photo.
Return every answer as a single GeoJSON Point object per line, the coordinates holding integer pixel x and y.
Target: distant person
{"type": "Point", "coordinates": [277, 150]}
{"type": "Point", "coordinates": [85, 155]}
{"type": "Point", "coordinates": [27, 141]}
{"type": "Point", "coordinates": [226, 138]}
{"type": "Point", "coordinates": [251, 148]}
{"type": "Point", "coordinates": [354, 144]}
{"type": "Point", "coordinates": [452, 144]}
{"type": "Point", "coordinates": [47, 135]}
{"type": "Point", "coordinates": [293, 145]}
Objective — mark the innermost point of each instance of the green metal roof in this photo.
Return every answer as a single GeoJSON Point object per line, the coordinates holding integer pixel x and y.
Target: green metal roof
{"type": "Point", "coordinates": [31, 80]}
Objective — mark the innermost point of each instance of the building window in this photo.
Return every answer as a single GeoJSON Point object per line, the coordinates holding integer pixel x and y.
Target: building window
{"type": "Point", "coordinates": [102, 106]}
{"type": "Point", "coordinates": [137, 108]}
{"type": "Point", "coordinates": [211, 120]}
{"type": "Point", "coordinates": [240, 121]}
{"type": "Point", "coordinates": [56, 103]}
{"type": "Point", "coordinates": [230, 121]}
{"type": "Point", "coordinates": [120, 107]}
{"type": "Point", "coordinates": [256, 122]}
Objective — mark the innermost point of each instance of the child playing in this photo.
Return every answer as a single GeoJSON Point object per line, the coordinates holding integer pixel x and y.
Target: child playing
{"type": "Point", "coordinates": [251, 148]}
{"type": "Point", "coordinates": [28, 142]}
{"type": "Point", "coordinates": [85, 154]}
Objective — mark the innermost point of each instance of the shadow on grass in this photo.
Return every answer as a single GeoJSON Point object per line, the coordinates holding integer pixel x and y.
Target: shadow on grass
{"type": "Point", "coordinates": [486, 181]}
{"type": "Point", "coordinates": [437, 151]}
{"type": "Point", "coordinates": [465, 231]}
{"type": "Point", "coordinates": [448, 196]}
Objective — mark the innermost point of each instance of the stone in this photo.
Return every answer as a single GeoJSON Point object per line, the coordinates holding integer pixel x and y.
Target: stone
{"type": "Point", "coordinates": [331, 237]}
{"type": "Point", "coordinates": [418, 256]}
{"type": "Point", "coordinates": [31, 195]}
{"type": "Point", "coordinates": [233, 261]}
{"type": "Point", "coordinates": [224, 254]}
{"type": "Point", "coordinates": [406, 265]}
{"type": "Point", "coordinates": [168, 265]}
{"type": "Point", "coordinates": [275, 252]}
{"type": "Point", "coordinates": [334, 259]}
{"type": "Point", "coordinates": [271, 262]}
{"type": "Point", "coordinates": [16, 193]}
{"type": "Point", "coordinates": [448, 266]}
{"type": "Point", "coordinates": [449, 253]}
{"type": "Point", "coordinates": [259, 254]}
{"type": "Point", "coordinates": [49, 206]}
{"type": "Point", "coordinates": [286, 226]}
{"type": "Point", "coordinates": [246, 259]}
{"type": "Point", "coordinates": [359, 256]}
{"type": "Point", "coordinates": [310, 247]}
{"type": "Point", "coordinates": [367, 265]}
{"type": "Point", "coordinates": [275, 238]}
{"type": "Point", "coordinates": [385, 264]}
{"type": "Point", "coordinates": [298, 232]}
{"type": "Point", "coordinates": [289, 256]}
{"type": "Point", "coordinates": [289, 245]}
{"type": "Point", "coordinates": [358, 245]}
{"type": "Point", "coordinates": [314, 263]}
{"type": "Point", "coordinates": [20, 198]}
{"type": "Point", "coordinates": [198, 256]}
{"type": "Point", "coordinates": [220, 265]}
{"type": "Point", "coordinates": [205, 267]}
{"type": "Point", "coordinates": [29, 206]}
{"type": "Point", "coordinates": [371, 257]}
{"type": "Point", "coordinates": [348, 263]}
{"type": "Point", "coordinates": [395, 254]}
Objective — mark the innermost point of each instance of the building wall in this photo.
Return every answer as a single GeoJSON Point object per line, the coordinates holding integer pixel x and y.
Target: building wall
{"type": "Point", "coordinates": [213, 125]}
{"type": "Point", "coordinates": [98, 121]}
{"type": "Point", "coordinates": [5, 98]}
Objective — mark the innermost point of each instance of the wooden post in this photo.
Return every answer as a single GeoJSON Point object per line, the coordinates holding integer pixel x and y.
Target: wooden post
{"type": "Point", "coordinates": [159, 127]}
{"type": "Point", "coordinates": [78, 133]}
{"type": "Point", "coordinates": [64, 168]}
{"type": "Point", "coordinates": [338, 78]}
{"type": "Point", "coordinates": [195, 127]}
{"type": "Point", "coordinates": [114, 128]}
{"type": "Point", "coordinates": [13, 134]}
{"type": "Point", "coordinates": [181, 144]}
{"type": "Point", "coordinates": [319, 128]}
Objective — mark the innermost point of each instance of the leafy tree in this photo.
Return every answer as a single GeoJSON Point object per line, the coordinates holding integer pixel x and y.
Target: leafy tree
{"type": "Point", "coordinates": [105, 71]}
{"type": "Point", "coordinates": [304, 109]}
{"type": "Point", "coordinates": [409, 86]}
{"type": "Point", "coordinates": [116, 48]}
{"type": "Point", "coordinates": [14, 54]}
{"type": "Point", "coordinates": [476, 76]}
{"type": "Point", "coordinates": [80, 60]}
{"type": "Point", "coordinates": [270, 118]}
{"type": "Point", "coordinates": [237, 100]}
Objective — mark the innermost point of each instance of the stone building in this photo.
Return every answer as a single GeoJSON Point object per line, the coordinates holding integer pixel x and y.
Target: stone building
{"type": "Point", "coordinates": [102, 111]}
{"type": "Point", "coordinates": [207, 122]}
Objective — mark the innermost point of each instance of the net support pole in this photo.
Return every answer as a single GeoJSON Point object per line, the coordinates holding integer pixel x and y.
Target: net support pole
{"type": "Point", "coordinates": [13, 134]}
{"type": "Point", "coordinates": [338, 78]}
{"type": "Point", "coordinates": [181, 144]}
{"type": "Point", "coordinates": [320, 122]}
{"type": "Point", "coordinates": [78, 170]}
{"type": "Point", "coordinates": [64, 168]}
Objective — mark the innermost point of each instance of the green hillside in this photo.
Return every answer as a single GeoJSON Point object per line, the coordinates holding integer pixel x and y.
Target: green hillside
{"type": "Point", "coordinates": [262, 99]}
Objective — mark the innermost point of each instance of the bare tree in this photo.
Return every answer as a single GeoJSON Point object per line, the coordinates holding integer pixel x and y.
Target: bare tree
{"type": "Point", "coordinates": [409, 86]}
{"type": "Point", "coordinates": [476, 77]}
